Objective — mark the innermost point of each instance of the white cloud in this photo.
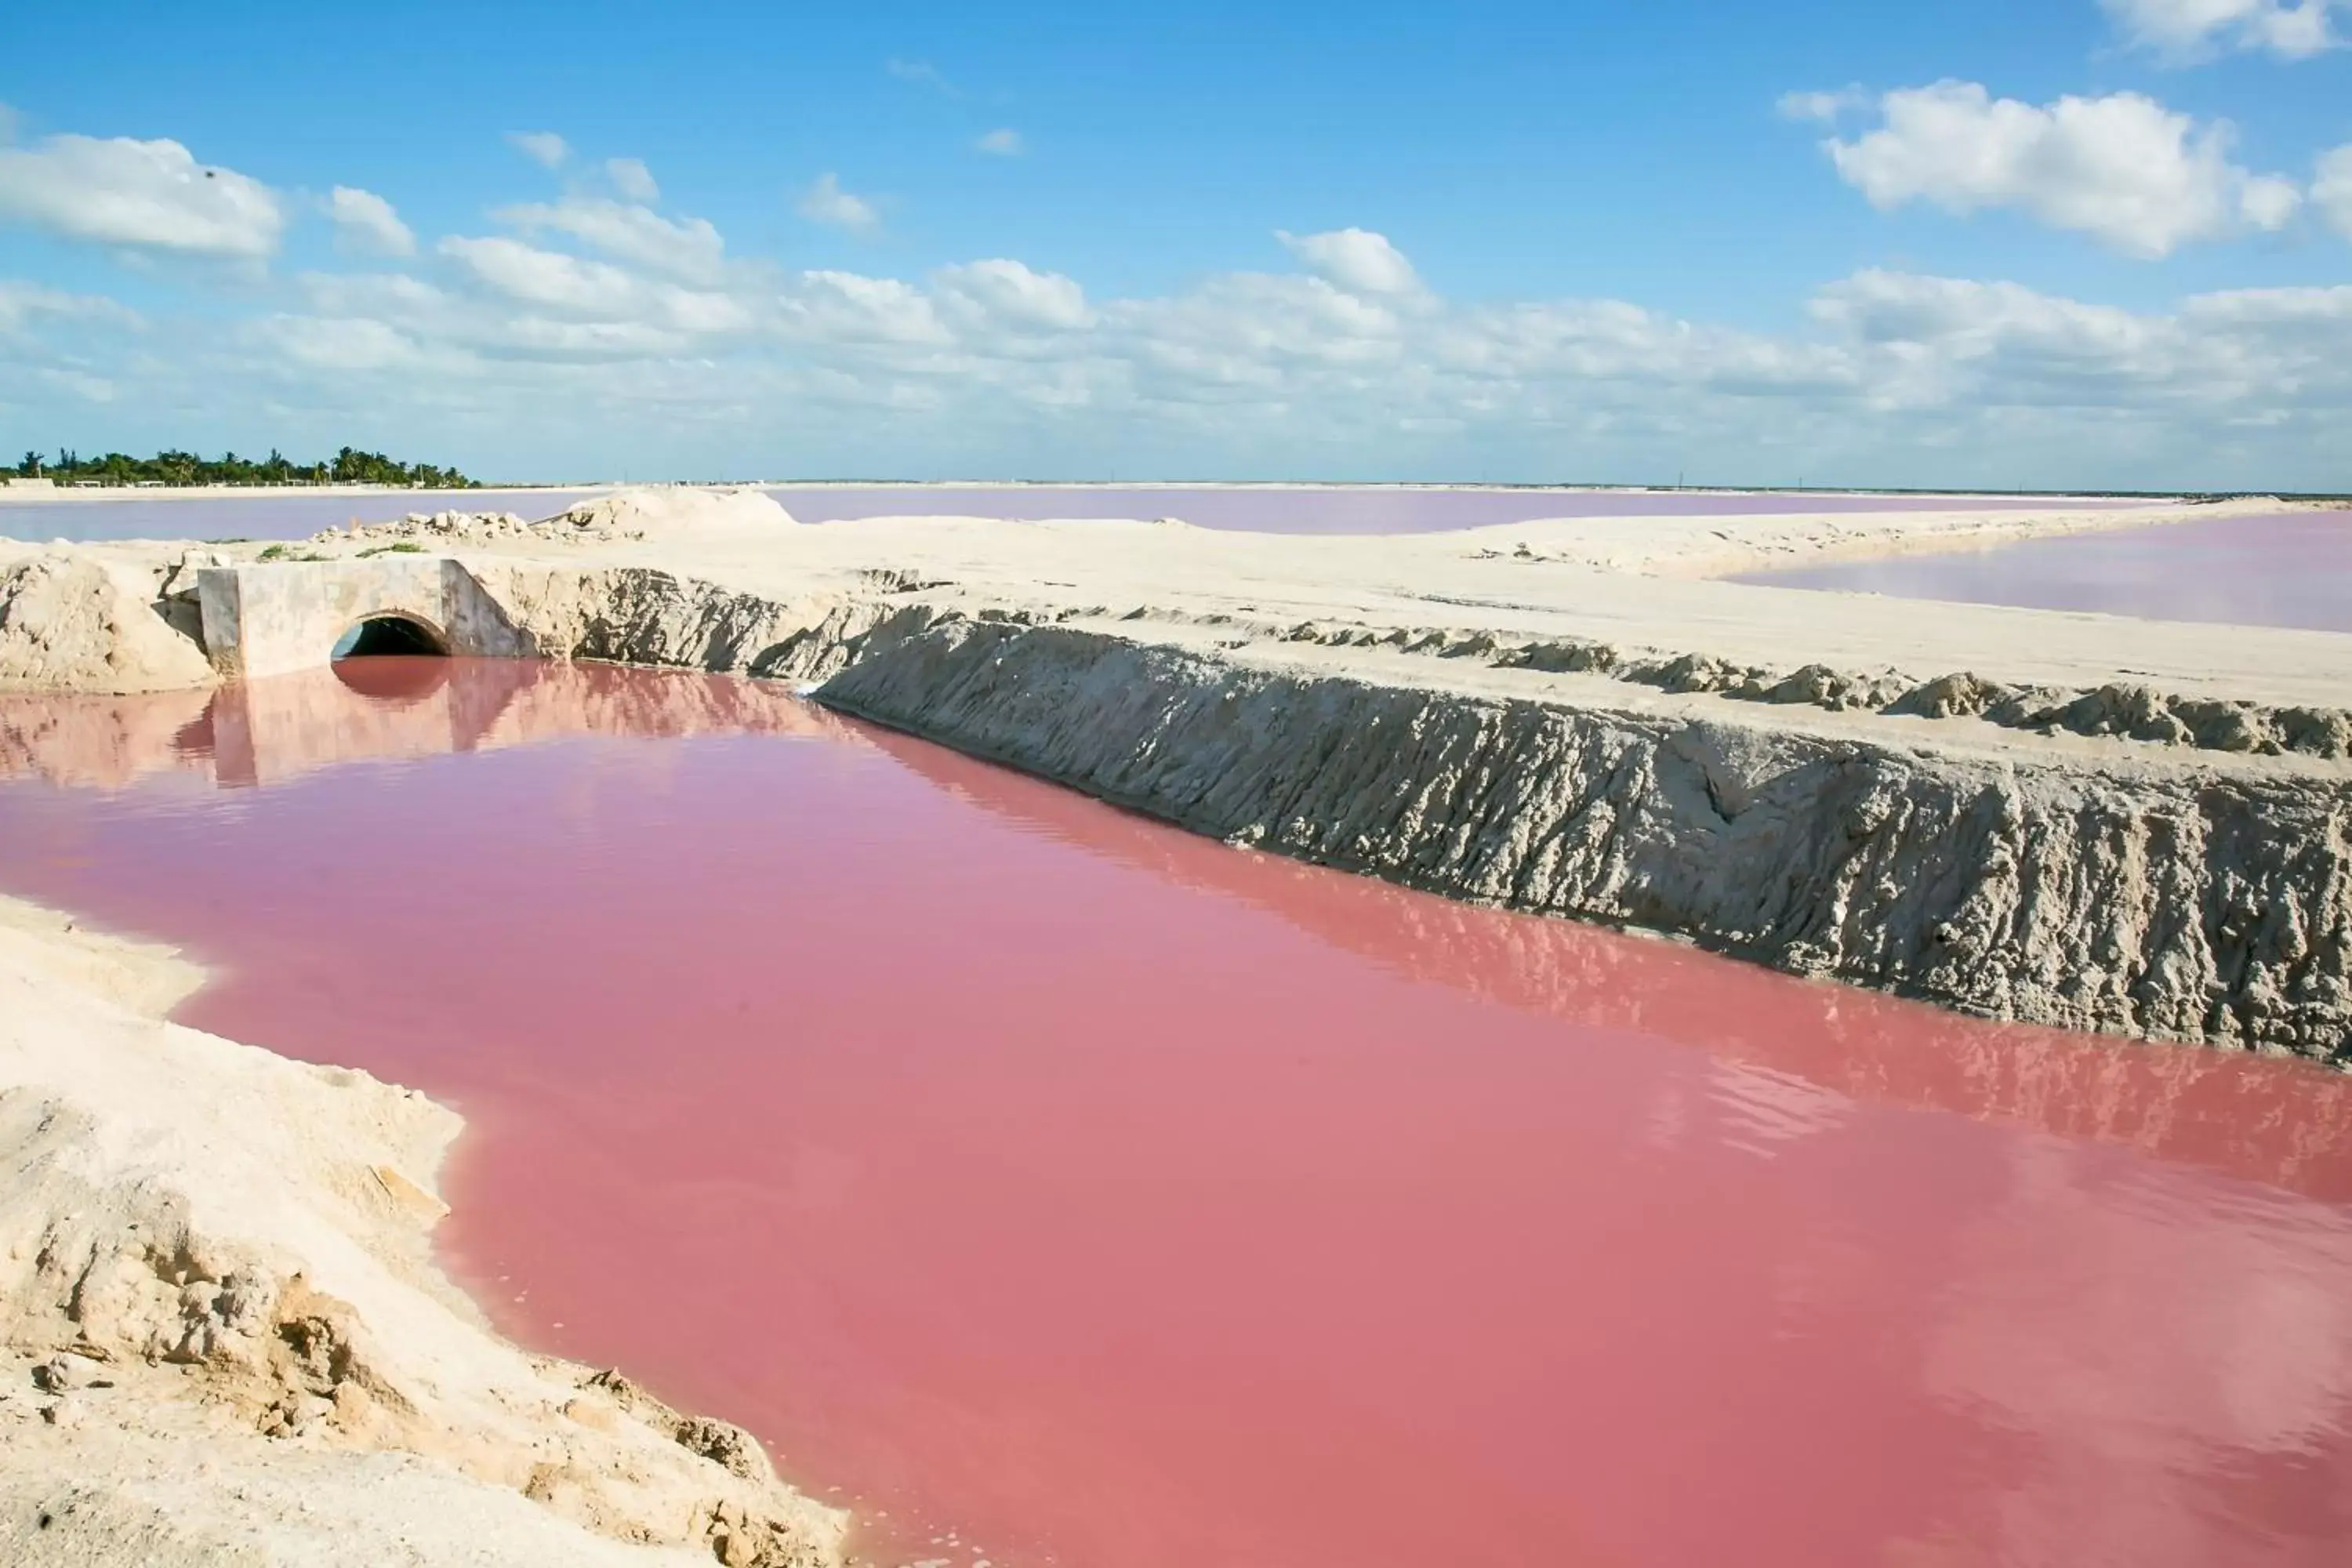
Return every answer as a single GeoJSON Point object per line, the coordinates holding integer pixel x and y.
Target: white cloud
{"type": "Point", "coordinates": [2123, 168]}
{"type": "Point", "coordinates": [1002, 142]}
{"type": "Point", "coordinates": [1822, 107]}
{"type": "Point", "coordinates": [1355, 259]}
{"type": "Point", "coordinates": [544, 148]}
{"type": "Point", "coordinates": [2331, 191]}
{"type": "Point", "coordinates": [846, 308]}
{"type": "Point", "coordinates": [151, 195]}
{"type": "Point", "coordinates": [827, 203]}
{"type": "Point", "coordinates": [595, 320]}
{"type": "Point", "coordinates": [684, 247]}
{"type": "Point", "coordinates": [21, 304]}
{"type": "Point", "coordinates": [2182, 31]}
{"type": "Point", "coordinates": [1009, 294]}
{"type": "Point", "coordinates": [631, 179]}
{"type": "Point", "coordinates": [367, 222]}
{"type": "Point", "coordinates": [531, 276]}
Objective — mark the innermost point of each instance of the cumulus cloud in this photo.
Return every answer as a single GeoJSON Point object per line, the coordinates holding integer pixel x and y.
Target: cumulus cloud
{"type": "Point", "coordinates": [1002, 142]}
{"type": "Point", "coordinates": [2331, 191]}
{"type": "Point", "coordinates": [846, 308]}
{"type": "Point", "coordinates": [2123, 168]}
{"type": "Point", "coordinates": [596, 316]}
{"type": "Point", "coordinates": [149, 194]}
{"type": "Point", "coordinates": [531, 276]}
{"type": "Point", "coordinates": [1009, 294]}
{"type": "Point", "coordinates": [684, 247]}
{"type": "Point", "coordinates": [544, 148]}
{"type": "Point", "coordinates": [2183, 31]}
{"type": "Point", "coordinates": [827, 203]}
{"type": "Point", "coordinates": [365, 221]}
{"type": "Point", "coordinates": [631, 179]}
{"type": "Point", "coordinates": [1356, 261]}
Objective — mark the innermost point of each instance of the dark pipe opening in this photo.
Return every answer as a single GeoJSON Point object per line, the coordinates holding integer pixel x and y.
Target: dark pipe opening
{"type": "Point", "coordinates": [388, 637]}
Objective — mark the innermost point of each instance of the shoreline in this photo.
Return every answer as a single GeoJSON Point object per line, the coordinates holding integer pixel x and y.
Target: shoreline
{"type": "Point", "coordinates": [11, 495]}
{"type": "Point", "coordinates": [14, 495]}
{"type": "Point", "coordinates": [219, 1338]}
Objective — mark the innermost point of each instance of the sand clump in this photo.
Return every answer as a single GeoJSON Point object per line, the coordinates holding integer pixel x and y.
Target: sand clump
{"type": "Point", "coordinates": [645, 513]}
{"type": "Point", "coordinates": [223, 1338]}
{"type": "Point", "coordinates": [75, 621]}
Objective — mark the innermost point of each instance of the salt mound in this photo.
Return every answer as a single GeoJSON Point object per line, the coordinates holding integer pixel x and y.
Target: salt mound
{"type": "Point", "coordinates": [648, 511]}
{"type": "Point", "coordinates": [68, 621]}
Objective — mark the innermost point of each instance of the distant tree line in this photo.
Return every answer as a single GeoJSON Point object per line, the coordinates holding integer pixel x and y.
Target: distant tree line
{"type": "Point", "coordinates": [348, 466]}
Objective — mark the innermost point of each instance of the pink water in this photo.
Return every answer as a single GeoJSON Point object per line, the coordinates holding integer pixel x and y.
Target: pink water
{"type": "Point", "coordinates": [2287, 569]}
{"type": "Point", "coordinates": [1099, 1195]}
{"type": "Point", "coordinates": [1347, 509]}
{"type": "Point", "coordinates": [1341, 508]}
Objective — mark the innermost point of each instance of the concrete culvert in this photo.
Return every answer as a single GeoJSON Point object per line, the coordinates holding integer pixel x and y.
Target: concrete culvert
{"type": "Point", "coordinates": [392, 635]}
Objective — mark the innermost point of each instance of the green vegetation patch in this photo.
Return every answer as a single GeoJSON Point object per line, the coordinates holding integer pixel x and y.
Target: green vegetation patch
{"type": "Point", "coordinates": [348, 466]}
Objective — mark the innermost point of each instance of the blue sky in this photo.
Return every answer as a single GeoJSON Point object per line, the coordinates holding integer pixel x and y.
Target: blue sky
{"type": "Point", "coordinates": [2074, 243]}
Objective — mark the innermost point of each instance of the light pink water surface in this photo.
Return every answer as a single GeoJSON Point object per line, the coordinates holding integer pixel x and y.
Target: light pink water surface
{"type": "Point", "coordinates": [1099, 1195]}
{"type": "Point", "coordinates": [2285, 569]}
{"type": "Point", "coordinates": [1336, 508]}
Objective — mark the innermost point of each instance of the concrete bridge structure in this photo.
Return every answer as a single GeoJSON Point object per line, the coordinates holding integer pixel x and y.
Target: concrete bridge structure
{"type": "Point", "coordinates": [272, 617]}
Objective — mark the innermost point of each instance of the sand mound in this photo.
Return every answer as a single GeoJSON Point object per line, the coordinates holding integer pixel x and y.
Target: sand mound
{"type": "Point", "coordinates": [72, 622]}
{"type": "Point", "coordinates": [655, 511]}
{"type": "Point", "coordinates": [647, 511]}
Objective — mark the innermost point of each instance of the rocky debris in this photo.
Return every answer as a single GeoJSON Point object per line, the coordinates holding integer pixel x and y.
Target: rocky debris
{"type": "Point", "coordinates": [2189, 904]}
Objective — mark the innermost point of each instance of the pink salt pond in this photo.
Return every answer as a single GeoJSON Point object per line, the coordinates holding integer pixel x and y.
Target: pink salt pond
{"type": "Point", "coordinates": [2279, 569]}
{"type": "Point", "coordinates": [1066, 1189]}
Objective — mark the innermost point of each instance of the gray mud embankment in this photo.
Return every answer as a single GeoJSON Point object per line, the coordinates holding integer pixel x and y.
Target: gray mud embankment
{"type": "Point", "coordinates": [2189, 899]}
{"type": "Point", "coordinates": [2185, 905]}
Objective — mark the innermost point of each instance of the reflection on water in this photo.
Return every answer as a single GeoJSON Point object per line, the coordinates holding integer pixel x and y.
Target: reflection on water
{"type": "Point", "coordinates": [1102, 1194]}
{"type": "Point", "coordinates": [2287, 569]}
{"type": "Point", "coordinates": [376, 709]}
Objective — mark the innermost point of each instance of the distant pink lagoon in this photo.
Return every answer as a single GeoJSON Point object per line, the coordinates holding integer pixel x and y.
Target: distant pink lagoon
{"type": "Point", "coordinates": [1063, 1189]}
{"type": "Point", "coordinates": [1339, 509]}
{"type": "Point", "coordinates": [2282, 569]}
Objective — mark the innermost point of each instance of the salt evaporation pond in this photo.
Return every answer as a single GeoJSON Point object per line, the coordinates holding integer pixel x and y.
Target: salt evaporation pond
{"type": "Point", "coordinates": [1348, 508]}
{"type": "Point", "coordinates": [1068, 1189]}
{"type": "Point", "coordinates": [1357, 508]}
{"type": "Point", "coordinates": [293, 515]}
{"type": "Point", "coordinates": [2284, 569]}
